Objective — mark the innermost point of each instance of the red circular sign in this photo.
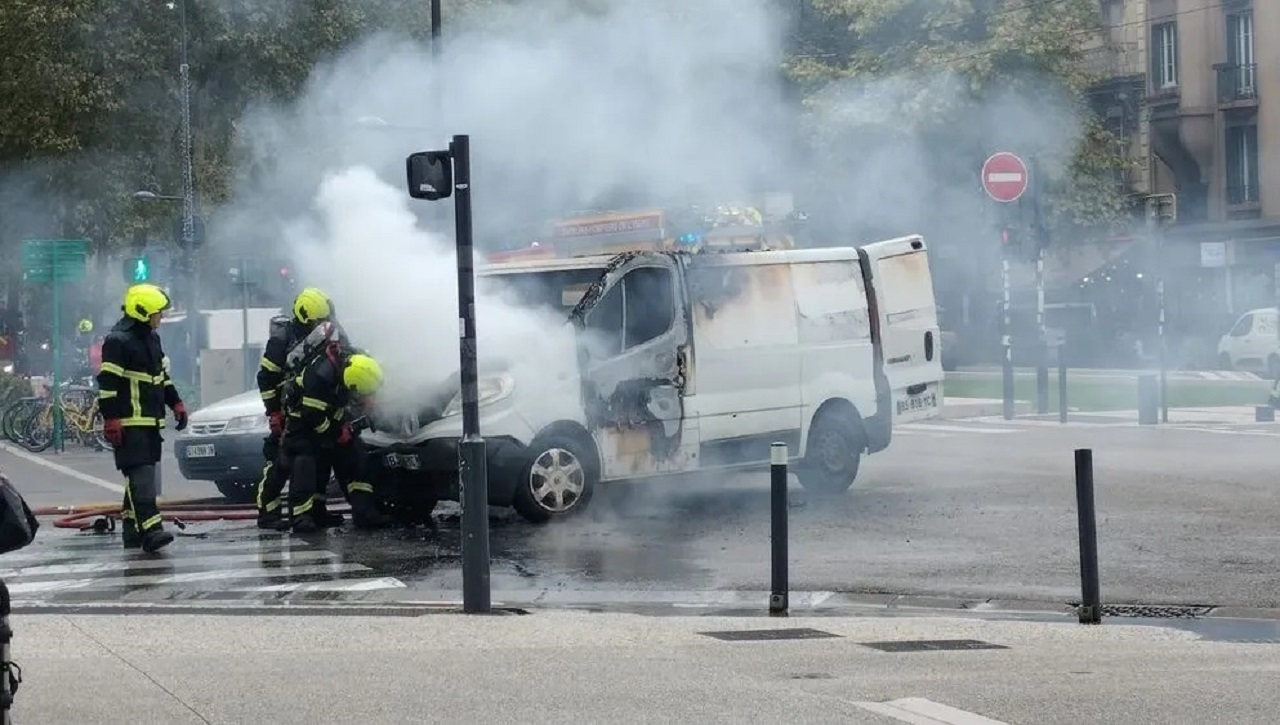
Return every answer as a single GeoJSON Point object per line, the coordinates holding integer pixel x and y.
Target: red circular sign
{"type": "Point", "coordinates": [1004, 177]}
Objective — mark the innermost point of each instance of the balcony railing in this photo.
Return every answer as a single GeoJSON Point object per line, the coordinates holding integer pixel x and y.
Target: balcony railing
{"type": "Point", "coordinates": [1237, 83]}
{"type": "Point", "coordinates": [1240, 194]}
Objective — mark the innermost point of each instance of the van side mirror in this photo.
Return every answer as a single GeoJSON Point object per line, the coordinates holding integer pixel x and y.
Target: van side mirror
{"type": "Point", "coordinates": [430, 175]}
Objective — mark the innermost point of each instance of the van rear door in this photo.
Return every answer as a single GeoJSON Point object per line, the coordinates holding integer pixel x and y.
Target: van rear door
{"type": "Point", "coordinates": [906, 316]}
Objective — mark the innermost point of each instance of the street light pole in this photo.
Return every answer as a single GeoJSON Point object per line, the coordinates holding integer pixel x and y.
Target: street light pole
{"type": "Point", "coordinates": [189, 208]}
{"type": "Point", "coordinates": [435, 29]}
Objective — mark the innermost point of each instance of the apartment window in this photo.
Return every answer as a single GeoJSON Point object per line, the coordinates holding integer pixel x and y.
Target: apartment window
{"type": "Point", "coordinates": [1240, 51]}
{"type": "Point", "coordinates": [1242, 164]}
{"type": "Point", "coordinates": [1164, 55]}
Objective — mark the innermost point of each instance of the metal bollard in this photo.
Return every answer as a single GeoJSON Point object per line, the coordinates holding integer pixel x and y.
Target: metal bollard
{"type": "Point", "coordinates": [1148, 400]}
{"type": "Point", "coordinates": [1062, 392]}
{"type": "Point", "coordinates": [10, 673]}
{"type": "Point", "coordinates": [1090, 589]}
{"type": "Point", "coordinates": [778, 597]}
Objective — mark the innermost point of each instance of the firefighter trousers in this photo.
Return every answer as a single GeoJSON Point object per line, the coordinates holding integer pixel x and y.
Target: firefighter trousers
{"type": "Point", "coordinates": [275, 475]}
{"type": "Point", "coordinates": [307, 459]}
{"type": "Point", "coordinates": [136, 457]}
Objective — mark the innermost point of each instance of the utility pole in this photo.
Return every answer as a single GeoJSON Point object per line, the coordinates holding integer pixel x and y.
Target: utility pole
{"type": "Point", "coordinates": [1040, 239]}
{"type": "Point", "coordinates": [435, 29]}
{"type": "Point", "coordinates": [189, 263]}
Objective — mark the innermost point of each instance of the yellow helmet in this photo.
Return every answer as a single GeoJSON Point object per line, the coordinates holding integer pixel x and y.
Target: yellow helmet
{"type": "Point", "coordinates": [362, 375]}
{"type": "Point", "coordinates": [141, 301]}
{"type": "Point", "coordinates": [311, 305]}
{"type": "Point", "coordinates": [85, 326]}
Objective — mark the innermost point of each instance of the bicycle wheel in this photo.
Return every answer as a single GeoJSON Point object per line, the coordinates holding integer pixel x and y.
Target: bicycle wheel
{"type": "Point", "coordinates": [15, 415]}
{"type": "Point", "coordinates": [36, 433]}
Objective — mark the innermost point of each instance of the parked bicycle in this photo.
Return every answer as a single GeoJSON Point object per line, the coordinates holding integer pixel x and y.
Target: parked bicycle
{"type": "Point", "coordinates": [29, 421]}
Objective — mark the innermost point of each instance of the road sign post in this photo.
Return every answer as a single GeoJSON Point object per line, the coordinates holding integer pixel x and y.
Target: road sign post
{"type": "Point", "coordinates": [52, 262]}
{"type": "Point", "coordinates": [1004, 178]}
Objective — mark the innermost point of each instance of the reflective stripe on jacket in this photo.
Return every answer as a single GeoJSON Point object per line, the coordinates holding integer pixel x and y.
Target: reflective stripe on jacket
{"type": "Point", "coordinates": [133, 382]}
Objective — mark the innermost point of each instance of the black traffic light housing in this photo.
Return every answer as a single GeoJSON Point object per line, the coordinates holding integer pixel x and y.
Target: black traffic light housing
{"type": "Point", "coordinates": [430, 175]}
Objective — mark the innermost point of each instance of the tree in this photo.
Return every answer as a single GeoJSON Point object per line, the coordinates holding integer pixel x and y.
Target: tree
{"type": "Point", "coordinates": [956, 80]}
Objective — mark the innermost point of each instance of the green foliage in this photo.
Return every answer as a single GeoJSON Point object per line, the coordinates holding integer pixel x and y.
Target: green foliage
{"type": "Point", "coordinates": [934, 69]}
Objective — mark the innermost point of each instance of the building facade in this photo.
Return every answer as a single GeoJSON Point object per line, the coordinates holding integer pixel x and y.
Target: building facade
{"type": "Point", "coordinates": [1213, 107]}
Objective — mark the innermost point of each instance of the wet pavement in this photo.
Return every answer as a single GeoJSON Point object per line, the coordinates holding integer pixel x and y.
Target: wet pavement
{"type": "Point", "coordinates": [960, 513]}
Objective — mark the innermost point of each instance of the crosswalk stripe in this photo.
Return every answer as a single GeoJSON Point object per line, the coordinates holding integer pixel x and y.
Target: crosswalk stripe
{"type": "Point", "coordinates": [63, 585]}
{"type": "Point", "coordinates": [108, 548]}
{"type": "Point", "coordinates": [94, 567]}
{"type": "Point", "coordinates": [345, 585]}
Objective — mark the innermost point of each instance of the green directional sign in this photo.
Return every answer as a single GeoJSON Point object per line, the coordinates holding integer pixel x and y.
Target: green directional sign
{"type": "Point", "coordinates": [51, 262]}
{"type": "Point", "coordinates": [54, 260]}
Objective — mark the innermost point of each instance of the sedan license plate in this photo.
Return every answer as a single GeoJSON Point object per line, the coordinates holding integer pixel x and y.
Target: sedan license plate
{"type": "Point", "coordinates": [203, 450]}
{"type": "Point", "coordinates": [917, 403]}
{"type": "Point", "coordinates": [407, 461]}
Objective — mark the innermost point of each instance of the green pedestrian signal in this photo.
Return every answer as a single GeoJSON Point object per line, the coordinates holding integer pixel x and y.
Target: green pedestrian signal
{"type": "Point", "coordinates": [137, 270]}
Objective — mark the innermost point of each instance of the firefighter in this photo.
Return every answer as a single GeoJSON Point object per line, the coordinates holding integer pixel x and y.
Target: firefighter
{"type": "Point", "coordinates": [320, 432]}
{"type": "Point", "coordinates": [311, 308]}
{"type": "Point", "coordinates": [134, 388]}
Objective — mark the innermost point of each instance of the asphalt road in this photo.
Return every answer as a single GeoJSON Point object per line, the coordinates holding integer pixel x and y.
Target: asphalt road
{"type": "Point", "coordinates": [970, 509]}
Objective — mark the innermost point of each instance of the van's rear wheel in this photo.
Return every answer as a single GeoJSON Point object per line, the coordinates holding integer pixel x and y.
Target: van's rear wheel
{"type": "Point", "coordinates": [557, 480]}
{"type": "Point", "coordinates": [831, 461]}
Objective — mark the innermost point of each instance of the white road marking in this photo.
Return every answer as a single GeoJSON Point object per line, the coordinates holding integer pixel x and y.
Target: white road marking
{"type": "Point", "coordinates": [62, 585]}
{"type": "Point", "coordinates": [41, 461]}
{"type": "Point", "coordinates": [267, 559]}
{"type": "Point", "coordinates": [919, 711]}
{"type": "Point", "coordinates": [358, 585]}
{"type": "Point", "coordinates": [927, 427]}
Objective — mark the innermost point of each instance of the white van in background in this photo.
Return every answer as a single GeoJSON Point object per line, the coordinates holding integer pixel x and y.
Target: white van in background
{"type": "Point", "coordinates": [689, 362]}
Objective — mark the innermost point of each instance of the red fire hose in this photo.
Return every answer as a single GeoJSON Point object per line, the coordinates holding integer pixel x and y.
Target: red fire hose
{"type": "Point", "coordinates": [102, 516]}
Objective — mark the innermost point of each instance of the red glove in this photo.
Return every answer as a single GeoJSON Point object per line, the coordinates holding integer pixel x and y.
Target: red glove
{"type": "Point", "coordinates": [345, 435]}
{"type": "Point", "coordinates": [180, 415]}
{"type": "Point", "coordinates": [113, 431]}
{"type": "Point", "coordinates": [276, 420]}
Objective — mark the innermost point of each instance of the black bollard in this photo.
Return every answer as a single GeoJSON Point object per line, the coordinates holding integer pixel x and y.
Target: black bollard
{"type": "Point", "coordinates": [1090, 590]}
{"type": "Point", "coordinates": [778, 599]}
{"type": "Point", "coordinates": [10, 673]}
{"type": "Point", "coordinates": [1062, 391]}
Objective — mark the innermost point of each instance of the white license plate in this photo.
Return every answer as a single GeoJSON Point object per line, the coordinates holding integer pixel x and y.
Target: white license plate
{"type": "Point", "coordinates": [203, 450]}
{"type": "Point", "coordinates": [925, 401]}
{"type": "Point", "coordinates": [407, 461]}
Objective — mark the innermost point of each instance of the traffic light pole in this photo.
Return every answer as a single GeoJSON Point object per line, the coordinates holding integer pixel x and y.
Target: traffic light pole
{"type": "Point", "coordinates": [246, 359]}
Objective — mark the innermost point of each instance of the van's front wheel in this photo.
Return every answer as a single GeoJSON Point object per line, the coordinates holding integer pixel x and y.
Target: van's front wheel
{"type": "Point", "coordinates": [831, 461]}
{"type": "Point", "coordinates": [557, 480]}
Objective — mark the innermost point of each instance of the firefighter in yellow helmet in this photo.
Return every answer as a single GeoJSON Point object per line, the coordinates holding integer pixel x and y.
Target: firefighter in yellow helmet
{"type": "Point", "coordinates": [293, 341]}
{"type": "Point", "coordinates": [321, 408]}
{"type": "Point", "coordinates": [134, 389]}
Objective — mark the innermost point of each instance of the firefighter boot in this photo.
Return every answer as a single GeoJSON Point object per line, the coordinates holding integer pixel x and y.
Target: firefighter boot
{"type": "Point", "coordinates": [324, 518]}
{"type": "Point", "coordinates": [129, 535]}
{"type": "Point", "coordinates": [364, 507]}
{"type": "Point", "coordinates": [155, 540]}
{"type": "Point", "coordinates": [272, 521]}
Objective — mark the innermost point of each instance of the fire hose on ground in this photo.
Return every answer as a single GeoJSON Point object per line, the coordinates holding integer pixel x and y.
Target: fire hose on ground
{"type": "Point", "coordinates": [101, 517]}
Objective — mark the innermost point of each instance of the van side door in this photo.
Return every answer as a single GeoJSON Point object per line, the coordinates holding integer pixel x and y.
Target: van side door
{"type": "Point", "coordinates": [633, 339]}
{"type": "Point", "coordinates": [907, 322]}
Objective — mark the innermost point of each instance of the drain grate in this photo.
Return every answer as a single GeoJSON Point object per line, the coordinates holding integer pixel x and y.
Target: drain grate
{"type": "Point", "coordinates": [768, 635]}
{"type": "Point", "coordinates": [932, 645]}
{"type": "Point", "coordinates": [1154, 611]}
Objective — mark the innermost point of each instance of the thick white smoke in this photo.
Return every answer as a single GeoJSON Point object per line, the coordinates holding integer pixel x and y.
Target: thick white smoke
{"type": "Point", "coordinates": [631, 103]}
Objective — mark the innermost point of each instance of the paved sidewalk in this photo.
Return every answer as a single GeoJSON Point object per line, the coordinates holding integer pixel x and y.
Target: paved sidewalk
{"type": "Point", "coordinates": [563, 666]}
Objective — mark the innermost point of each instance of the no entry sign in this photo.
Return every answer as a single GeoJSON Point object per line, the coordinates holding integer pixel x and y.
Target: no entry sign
{"type": "Point", "coordinates": [1004, 177]}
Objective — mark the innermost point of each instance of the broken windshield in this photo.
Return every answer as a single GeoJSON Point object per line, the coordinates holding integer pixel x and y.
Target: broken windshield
{"type": "Point", "coordinates": [553, 291]}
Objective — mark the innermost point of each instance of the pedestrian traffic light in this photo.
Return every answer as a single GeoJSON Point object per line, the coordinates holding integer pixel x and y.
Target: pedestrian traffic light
{"type": "Point", "coordinates": [137, 269]}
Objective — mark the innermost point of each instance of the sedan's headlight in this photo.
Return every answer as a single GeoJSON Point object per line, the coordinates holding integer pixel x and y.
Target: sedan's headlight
{"type": "Point", "coordinates": [488, 392]}
{"type": "Point", "coordinates": [247, 423]}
